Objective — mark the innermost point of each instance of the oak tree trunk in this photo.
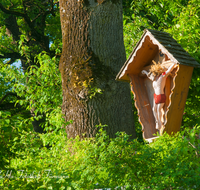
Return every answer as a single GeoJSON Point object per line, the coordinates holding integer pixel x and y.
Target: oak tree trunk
{"type": "Point", "coordinates": [93, 53]}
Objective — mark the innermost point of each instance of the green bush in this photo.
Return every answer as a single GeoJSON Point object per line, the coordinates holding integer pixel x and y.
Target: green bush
{"type": "Point", "coordinates": [51, 161]}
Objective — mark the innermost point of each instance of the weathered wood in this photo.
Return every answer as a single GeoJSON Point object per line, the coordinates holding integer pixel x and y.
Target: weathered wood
{"type": "Point", "coordinates": [177, 83]}
{"type": "Point", "coordinates": [178, 99]}
{"type": "Point", "coordinates": [148, 46]}
{"type": "Point", "coordinates": [143, 106]}
{"type": "Point", "coordinates": [167, 93]}
{"type": "Point", "coordinates": [138, 58]}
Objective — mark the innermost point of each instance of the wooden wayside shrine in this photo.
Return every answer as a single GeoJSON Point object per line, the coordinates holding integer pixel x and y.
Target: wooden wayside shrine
{"type": "Point", "coordinates": [148, 50]}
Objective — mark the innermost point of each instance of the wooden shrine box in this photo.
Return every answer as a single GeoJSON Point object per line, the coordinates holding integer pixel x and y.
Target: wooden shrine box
{"type": "Point", "coordinates": [151, 44]}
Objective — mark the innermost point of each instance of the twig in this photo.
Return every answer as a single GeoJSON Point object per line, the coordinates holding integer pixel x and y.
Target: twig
{"type": "Point", "coordinates": [193, 147]}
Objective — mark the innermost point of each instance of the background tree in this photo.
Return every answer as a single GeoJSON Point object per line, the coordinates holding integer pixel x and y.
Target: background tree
{"type": "Point", "coordinates": [93, 52]}
{"type": "Point", "coordinates": [25, 33]}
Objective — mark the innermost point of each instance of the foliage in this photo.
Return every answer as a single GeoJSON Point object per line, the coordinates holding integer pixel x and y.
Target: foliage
{"type": "Point", "coordinates": [29, 160]}
{"type": "Point", "coordinates": [141, 14]}
{"type": "Point", "coordinates": [187, 34]}
{"type": "Point", "coordinates": [171, 162]}
{"type": "Point", "coordinates": [42, 91]}
{"type": "Point", "coordinates": [169, 16]}
{"type": "Point", "coordinates": [31, 36]}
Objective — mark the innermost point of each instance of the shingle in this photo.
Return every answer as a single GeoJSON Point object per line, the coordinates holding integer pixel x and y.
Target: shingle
{"type": "Point", "coordinates": [165, 42]}
{"type": "Point", "coordinates": [174, 48]}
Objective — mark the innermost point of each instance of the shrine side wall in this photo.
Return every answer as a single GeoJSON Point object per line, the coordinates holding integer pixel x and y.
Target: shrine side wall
{"type": "Point", "coordinates": [143, 106]}
{"type": "Point", "coordinates": [178, 99]}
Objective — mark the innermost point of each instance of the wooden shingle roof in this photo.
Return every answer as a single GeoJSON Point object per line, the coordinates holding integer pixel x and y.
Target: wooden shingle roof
{"type": "Point", "coordinates": [174, 48]}
{"type": "Point", "coordinates": [155, 39]}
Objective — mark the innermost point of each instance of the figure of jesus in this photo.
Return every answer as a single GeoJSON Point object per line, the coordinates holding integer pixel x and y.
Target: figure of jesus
{"type": "Point", "coordinates": [158, 74]}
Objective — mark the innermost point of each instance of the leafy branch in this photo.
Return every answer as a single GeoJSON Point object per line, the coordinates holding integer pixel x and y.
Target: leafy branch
{"type": "Point", "coordinates": [13, 55]}
{"type": "Point", "coordinates": [8, 94]}
{"type": "Point", "coordinates": [39, 37]}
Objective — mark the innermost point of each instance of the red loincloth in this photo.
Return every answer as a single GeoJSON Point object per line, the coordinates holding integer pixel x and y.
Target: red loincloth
{"type": "Point", "coordinates": [161, 98]}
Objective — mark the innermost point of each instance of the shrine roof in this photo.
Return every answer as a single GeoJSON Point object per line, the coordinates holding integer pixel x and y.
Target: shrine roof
{"type": "Point", "coordinates": [145, 50]}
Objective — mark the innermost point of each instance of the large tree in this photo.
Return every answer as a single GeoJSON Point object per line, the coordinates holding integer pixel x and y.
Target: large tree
{"type": "Point", "coordinates": [93, 53]}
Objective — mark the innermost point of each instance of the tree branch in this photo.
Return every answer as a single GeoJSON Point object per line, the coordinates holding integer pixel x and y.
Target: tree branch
{"type": "Point", "coordinates": [9, 49]}
{"type": "Point", "coordinates": [13, 55]}
{"type": "Point", "coordinates": [11, 61]}
{"type": "Point", "coordinates": [196, 150]}
{"type": "Point", "coordinates": [11, 4]}
{"type": "Point", "coordinates": [8, 94]}
{"type": "Point", "coordinates": [16, 13]}
{"type": "Point", "coordinates": [9, 106]}
{"type": "Point", "coordinates": [7, 11]}
{"type": "Point", "coordinates": [40, 37]}
{"type": "Point", "coordinates": [12, 28]}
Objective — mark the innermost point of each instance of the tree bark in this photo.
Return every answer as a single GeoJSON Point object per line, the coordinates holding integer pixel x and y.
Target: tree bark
{"type": "Point", "coordinates": [93, 53]}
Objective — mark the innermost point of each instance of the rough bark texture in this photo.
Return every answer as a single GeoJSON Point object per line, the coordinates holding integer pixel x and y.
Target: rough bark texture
{"type": "Point", "coordinates": [93, 53]}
